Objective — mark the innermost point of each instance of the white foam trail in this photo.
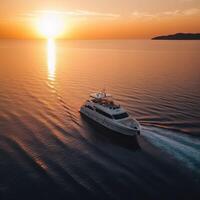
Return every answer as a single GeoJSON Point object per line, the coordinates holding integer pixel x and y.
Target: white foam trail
{"type": "Point", "coordinates": [182, 147]}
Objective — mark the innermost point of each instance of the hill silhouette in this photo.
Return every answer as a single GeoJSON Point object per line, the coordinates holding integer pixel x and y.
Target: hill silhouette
{"type": "Point", "coordinates": [179, 36]}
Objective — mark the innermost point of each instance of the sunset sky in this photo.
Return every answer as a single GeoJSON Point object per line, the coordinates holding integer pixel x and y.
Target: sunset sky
{"type": "Point", "coordinates": [102, 19]}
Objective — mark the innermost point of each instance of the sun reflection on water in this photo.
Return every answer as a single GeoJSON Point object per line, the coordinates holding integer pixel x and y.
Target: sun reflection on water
{"type": "Point", "coordinates": [51, 59]}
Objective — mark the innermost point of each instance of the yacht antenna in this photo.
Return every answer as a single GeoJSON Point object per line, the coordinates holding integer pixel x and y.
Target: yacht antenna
{"type": "Point", "coordinates": [104, 90]}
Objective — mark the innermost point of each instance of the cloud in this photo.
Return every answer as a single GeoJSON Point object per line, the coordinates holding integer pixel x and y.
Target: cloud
{"type": "Point", "coordinates": [146, 15]}
{"type": "Point", "coordinates": [138, 14]}
{"type": "Point", "coordinates": [72, 14]}
{"type": "Point", "coordinates": [193, 11]}
{"type": "Point", "coordinates": [85, 14]}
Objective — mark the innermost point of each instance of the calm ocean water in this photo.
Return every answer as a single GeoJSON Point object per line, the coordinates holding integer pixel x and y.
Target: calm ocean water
{"type": "Point", "coordinates": [47, 150]}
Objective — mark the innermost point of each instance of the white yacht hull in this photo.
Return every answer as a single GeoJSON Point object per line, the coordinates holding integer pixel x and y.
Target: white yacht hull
{"type": "Point", "coordinates": [108, 123]}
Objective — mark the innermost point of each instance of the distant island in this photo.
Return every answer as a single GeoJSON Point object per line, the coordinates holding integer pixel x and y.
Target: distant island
{"type": "Point", "coordinates": [179, 36]}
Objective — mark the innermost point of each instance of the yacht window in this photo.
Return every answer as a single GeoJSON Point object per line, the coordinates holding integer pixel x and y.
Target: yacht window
{"type": "Point", "coordinates": [103, 113]}
{"type": "Point", "coordinates": [121, 116]}
{"type": "Point", "coordinates": [91, 108]}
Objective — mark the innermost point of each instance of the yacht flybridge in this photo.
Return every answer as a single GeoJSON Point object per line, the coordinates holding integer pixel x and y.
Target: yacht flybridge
{"type": "Point", "coordinates": [102, 109]}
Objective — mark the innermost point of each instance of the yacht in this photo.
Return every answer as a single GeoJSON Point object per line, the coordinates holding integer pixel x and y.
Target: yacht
{"type": "Point", "coordinates": [101, 108]}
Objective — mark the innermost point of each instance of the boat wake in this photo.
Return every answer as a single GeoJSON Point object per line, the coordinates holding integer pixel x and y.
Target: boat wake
{"type": "Point", "coordinates": [183, 148]}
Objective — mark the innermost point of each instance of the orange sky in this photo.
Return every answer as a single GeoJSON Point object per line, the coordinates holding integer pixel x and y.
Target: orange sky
{"type": "Point", "coordinates": [102, 19]}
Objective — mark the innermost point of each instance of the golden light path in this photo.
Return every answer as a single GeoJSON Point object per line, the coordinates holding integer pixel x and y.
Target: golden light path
{"type": "Point", "coordinates": [51, 25]}
{"type": "Point", "coordinates": [51, 58]}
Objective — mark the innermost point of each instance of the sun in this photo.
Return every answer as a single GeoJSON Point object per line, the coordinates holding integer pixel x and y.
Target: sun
{"type": "Point", "coordinates": [50, 25]}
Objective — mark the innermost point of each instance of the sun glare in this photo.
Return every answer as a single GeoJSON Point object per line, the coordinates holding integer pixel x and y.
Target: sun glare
{"type": "Point", "coordinates": [51, 58]}
{"type": "Point", "coordinates": [50, 25]}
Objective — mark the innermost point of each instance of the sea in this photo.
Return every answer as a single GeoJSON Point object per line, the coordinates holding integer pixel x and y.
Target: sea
{"type": "Point", "coordinates": [49, 151]}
